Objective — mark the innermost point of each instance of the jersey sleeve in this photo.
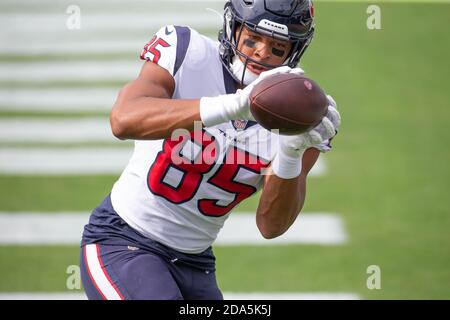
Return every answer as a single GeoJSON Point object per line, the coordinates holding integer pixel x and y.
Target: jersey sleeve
{"type": "Point", "coordinates": [168, 47]}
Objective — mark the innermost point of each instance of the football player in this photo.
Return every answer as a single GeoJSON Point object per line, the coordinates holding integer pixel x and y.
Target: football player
{"type": "Point", "coordinates": [151, 237]}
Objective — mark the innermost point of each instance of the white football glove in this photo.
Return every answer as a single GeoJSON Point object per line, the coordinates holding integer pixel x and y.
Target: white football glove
{"type": "Point", "coordinates": [235, 106]}
{"type": "Point", "coordinates": [287, 161]}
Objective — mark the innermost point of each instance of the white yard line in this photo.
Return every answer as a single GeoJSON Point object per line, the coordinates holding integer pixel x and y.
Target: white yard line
{"type": "Point", "coordinates": [76, 161]}
{"type": "Point", "coordinates": [25, 44]}
{"type": "Point", "coordinates": [42, 296]}
{"type": "Point", "coordinates": [240, 229]}
{"type": "Point", "coordinates": [226, 295]}
{"type": "Point", "coordinates": [70, 47]}
{"type": "Point", "coordinates": [111, 70]}
{"type": "Point", "coordinates": [316, 228]}
{"type": "Point", "coordinates": [51, 161]}
{"type": "Point", "coordinates": [58, 100]}
{"type": "Point", "coordinates": [42, 228]}
{"type": "Point", "coordinates": [21, 130]}
{"type": "Point", "coordinates": [37, 22]}
{"type": "Point", "coordinates": [290, 296]}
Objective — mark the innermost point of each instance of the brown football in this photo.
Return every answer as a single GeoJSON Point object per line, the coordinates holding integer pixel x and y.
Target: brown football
{"type": "Point", "coordinates": [291, 103]}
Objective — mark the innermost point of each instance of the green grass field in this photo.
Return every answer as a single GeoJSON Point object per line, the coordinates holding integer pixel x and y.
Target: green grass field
{"type": "Point", "coordinates": [388, 174]}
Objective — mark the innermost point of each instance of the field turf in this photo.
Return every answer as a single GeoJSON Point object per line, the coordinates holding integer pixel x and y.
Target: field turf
{"type": "Point", "coordinates": [388, 174]}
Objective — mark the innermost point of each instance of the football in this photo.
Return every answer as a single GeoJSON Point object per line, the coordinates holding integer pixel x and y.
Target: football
{"type": "Point", "coordinates": [289, 102]}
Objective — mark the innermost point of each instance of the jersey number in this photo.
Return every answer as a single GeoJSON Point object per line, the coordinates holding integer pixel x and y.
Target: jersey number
{"type": "Point", "coordinates": [152, 48]}
{"type": "Point", "coordinates": [178, 182]}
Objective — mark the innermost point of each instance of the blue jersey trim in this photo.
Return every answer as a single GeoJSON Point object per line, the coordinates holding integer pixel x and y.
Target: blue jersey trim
{"type": "Point", "coordinates": [183, 39]}
{"type": "Point", "coordinates": [230, 84]}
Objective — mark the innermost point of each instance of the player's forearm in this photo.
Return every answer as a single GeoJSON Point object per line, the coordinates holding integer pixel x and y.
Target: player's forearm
{"type": "Point", "coordinates": [147, 118]}
{"type": "Point", "coordinates": [283, 199]}
{"type": "Point", "coordinates": [279, 205]}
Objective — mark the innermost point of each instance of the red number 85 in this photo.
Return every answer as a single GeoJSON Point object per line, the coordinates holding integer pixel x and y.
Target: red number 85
{"type": "Point", "coordinates": [192, 173]}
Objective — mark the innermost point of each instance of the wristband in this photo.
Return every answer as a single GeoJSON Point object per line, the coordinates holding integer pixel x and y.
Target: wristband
{"type": "Point", "coordinates": [286, 166]}
{"type": "Point", "coordinates": [215, 110]}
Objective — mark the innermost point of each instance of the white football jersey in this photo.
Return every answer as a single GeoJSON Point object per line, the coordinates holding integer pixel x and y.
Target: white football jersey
{"type": "Point", "coordinates": [180, 191]}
